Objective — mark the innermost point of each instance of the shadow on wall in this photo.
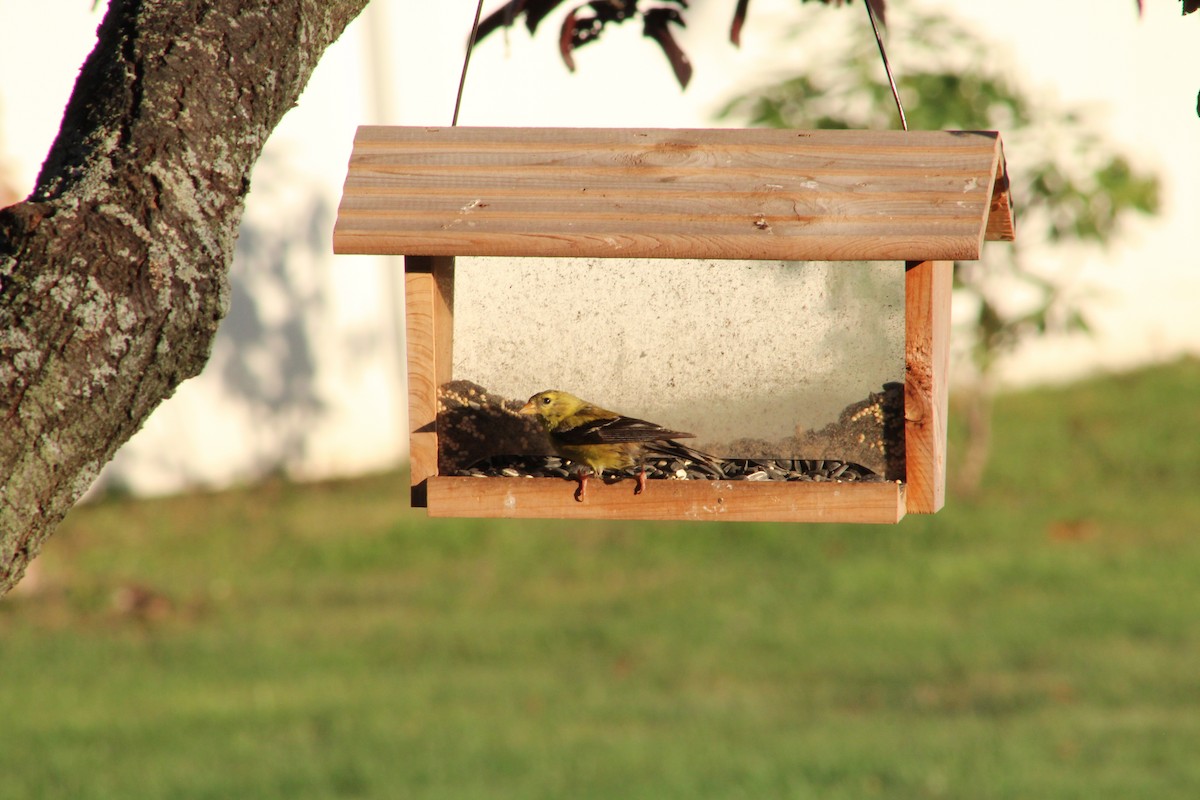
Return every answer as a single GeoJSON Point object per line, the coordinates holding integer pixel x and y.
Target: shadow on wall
{"type": "Point", "coordinates": [265, 351]}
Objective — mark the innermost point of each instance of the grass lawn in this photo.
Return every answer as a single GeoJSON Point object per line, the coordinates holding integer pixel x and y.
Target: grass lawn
{"type": "Point", "coordinates": [312, 641]}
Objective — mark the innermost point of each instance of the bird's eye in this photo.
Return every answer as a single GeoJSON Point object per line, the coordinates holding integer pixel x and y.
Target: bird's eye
{"type": "Point", "coordinates": [545, 401]}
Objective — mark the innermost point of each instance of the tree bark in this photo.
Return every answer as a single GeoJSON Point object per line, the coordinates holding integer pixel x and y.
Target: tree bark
{"type": "Point", "coordinates": [114, 273]}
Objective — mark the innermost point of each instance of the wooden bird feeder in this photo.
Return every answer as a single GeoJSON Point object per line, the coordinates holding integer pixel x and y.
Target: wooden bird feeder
{"type": "Point", "coordinates": [923, 198]}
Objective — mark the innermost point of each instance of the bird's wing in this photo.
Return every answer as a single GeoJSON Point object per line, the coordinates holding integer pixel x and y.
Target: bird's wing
{"type": "Point", "coordinates": [615, 430]}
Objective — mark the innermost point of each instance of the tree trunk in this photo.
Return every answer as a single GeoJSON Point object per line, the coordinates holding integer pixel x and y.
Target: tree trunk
{"type": "Point", "coordinates": [977, 443]}
{"type": "Point", "coordinates": [114, 273]}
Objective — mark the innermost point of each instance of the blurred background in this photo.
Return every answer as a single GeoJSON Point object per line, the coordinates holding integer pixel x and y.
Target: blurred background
{"type": "Point", "coordinates": [247, 607]}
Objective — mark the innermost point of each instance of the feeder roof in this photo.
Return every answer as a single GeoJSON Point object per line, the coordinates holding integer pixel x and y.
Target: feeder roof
{"type": "Point", "coordinates": [665, 193]}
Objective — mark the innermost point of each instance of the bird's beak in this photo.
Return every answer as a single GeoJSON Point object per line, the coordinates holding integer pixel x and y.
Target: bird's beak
{"type": "Point", "coordinates": [528, 408]}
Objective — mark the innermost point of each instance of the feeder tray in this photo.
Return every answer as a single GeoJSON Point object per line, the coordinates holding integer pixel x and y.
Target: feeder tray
{"type": "Point", "coordinates": [925, 198]}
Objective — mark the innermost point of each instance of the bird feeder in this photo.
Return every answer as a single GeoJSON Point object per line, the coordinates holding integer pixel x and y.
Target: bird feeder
{"type": "Point", "coordinates": [568, 204]}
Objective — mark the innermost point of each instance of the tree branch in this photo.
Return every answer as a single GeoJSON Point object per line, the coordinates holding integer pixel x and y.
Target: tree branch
{"type": "Point", "coordinates": [114, 274]}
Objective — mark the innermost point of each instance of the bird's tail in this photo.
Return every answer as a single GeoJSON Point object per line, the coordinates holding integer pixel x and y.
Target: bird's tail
{"type": "Point", "coordinates": [673, 449]}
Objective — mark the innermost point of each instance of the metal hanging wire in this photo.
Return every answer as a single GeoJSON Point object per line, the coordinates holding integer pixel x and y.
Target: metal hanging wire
{"type": "Point", "coordinates": [886, 67]}
{"type": "Point", "coordinates": [462, 79]}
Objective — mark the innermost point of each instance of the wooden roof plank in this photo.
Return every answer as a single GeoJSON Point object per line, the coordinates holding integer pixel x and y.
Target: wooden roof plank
{"type": "Point", "coordinates": [673, 193]}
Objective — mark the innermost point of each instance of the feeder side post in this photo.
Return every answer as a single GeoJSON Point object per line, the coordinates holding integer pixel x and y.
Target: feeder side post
{"type": "Point", "coordinates": [429, 327]}
{"type": "Point", "coordinates": [927, 288]}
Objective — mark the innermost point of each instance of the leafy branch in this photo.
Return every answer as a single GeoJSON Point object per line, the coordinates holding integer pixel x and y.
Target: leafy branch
{"type": "Point", "coordinates": [585, 22]}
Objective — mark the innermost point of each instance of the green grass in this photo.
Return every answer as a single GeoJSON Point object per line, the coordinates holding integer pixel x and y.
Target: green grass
{"type": "Point", "coordinates": [1040, 640]}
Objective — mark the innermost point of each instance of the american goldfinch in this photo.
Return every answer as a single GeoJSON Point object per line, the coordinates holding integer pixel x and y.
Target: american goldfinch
{"type": "Point", "coordinates": [600, 439]}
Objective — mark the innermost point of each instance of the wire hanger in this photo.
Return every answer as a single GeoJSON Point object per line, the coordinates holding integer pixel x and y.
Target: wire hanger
{"type": "Point", "coordinates": [886, 67]}
{"type": "Point", "coordinates": [462, 79]}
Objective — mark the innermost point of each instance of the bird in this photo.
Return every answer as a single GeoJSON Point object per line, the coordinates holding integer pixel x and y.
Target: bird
{"type": "Point", "coordinates": [597, 439]}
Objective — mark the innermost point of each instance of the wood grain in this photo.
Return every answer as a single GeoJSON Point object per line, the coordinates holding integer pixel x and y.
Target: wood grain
{"type": "Point", "coordinates": [668, 500]}
{"type": "Point", "coordinates": [1001, 224]}
{"type": "Point", "coordinates": [758, 194]}
{"type": "Point", "coordinates": [429, 321]}
{"type": "Point", "coordinates": [928, 286]}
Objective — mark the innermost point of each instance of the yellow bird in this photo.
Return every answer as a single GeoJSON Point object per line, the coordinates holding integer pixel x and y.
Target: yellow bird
{"type": "Point", "coordinates": [599, 439]}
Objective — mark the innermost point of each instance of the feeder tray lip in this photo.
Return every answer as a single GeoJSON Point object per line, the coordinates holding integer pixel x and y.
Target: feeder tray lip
{"type": "Point", "coordinates": [695, 500]}
{"type": "Point", "coordinates": [674, 193]}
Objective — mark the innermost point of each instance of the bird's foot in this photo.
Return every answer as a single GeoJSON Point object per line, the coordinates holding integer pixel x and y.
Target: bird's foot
{"type": "Point", "coordinates": [581, 490]}
{"type": "Point", "coordinates": [641, 482]}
